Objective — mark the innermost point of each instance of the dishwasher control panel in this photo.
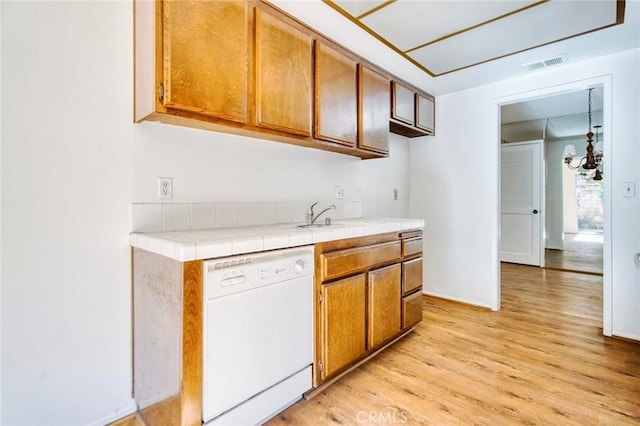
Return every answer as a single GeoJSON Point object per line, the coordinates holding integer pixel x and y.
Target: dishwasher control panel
{"type": "Point", "coordinates": [235, 274]}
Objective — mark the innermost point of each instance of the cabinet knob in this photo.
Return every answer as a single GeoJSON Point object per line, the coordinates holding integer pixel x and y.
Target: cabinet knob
{"type": "Point", "coordinates": [535, 211]}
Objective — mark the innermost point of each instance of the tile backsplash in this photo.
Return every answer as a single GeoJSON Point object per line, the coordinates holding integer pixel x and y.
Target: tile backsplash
{"type": "Point", "coordinates": [157, 217]}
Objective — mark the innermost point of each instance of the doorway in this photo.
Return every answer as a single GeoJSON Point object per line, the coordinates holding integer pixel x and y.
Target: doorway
{"type": "Point", "coordinates": [540, 128]}
{"type": "Point", "coordinates": [583, 225]}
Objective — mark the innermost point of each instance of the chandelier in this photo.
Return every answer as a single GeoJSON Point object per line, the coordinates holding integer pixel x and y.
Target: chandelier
{"type": "Point", "coordinates": [593, 159]}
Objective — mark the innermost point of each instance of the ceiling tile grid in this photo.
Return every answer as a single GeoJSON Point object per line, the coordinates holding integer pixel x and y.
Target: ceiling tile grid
{"type": "Point", "coordinates": [446, 36]}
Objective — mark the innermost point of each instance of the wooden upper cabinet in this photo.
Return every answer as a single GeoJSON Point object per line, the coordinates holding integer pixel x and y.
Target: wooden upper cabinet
{"type": "Point", "coordinates": [205, 57]}
{"type": "Point", "coordinates": [425, 112]}
{"type": "Point", "coordinates": [412, 112]}
{"type": "Point", "coordinates": [244, 67]}
{"type": "Point", "coordinates": [336, 96]}
{"type": "Point", "coordinates": [402, 103]}
{"type": "Point", "coordinates": [373, 127]}
{"type": "Point", "coordinates": [284, 75]}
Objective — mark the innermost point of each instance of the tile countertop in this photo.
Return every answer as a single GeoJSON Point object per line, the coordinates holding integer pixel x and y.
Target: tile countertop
{"type": "Point", "coordinates": [210, 243]}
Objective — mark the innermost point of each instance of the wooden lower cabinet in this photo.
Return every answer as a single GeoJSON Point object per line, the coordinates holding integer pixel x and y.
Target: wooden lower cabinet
{"type": "Point", "coordinates": [411, 275]}
{"type": "Point", "coordinates": [411, 246]}
{"type": "Point", "coordinates": [368, 294]}
{"type": "Point", "coordinates": [411, 309]}
{"type": "Point", "coordinates": [383, 311]}
{"type": "Point", "coordinates": [345, 262]}
{"type": "Point", "coordinates": [343, 323]}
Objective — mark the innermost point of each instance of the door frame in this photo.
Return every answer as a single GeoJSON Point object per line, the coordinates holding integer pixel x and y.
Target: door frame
{"type": "Point", "coordinates": [541, 193]}
{"type": "Point", "coordinates": [608, 136]}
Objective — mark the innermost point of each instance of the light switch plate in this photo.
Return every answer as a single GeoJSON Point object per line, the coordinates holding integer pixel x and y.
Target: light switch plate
{"type": "Point", "coordinates": [629, 189]}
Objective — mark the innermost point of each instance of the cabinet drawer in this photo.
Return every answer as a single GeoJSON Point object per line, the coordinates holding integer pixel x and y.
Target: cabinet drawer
{"type": "Point", "coordinates": [343, 262]}
{"type": "Point", "coordinates": [411, 275]}
{"type": "Point", "coordinates": [411, 310]}
{"type": "Point", "coordinates": [411, 246]}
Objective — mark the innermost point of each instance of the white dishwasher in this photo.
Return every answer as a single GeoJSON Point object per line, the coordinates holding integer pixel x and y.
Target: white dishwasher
{"type": "Point", "coordinates": [258, 335]}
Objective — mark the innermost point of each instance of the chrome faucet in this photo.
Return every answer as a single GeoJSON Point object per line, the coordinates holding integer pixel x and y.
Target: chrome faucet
{"type": "Point", "coordinates": [311, 217]}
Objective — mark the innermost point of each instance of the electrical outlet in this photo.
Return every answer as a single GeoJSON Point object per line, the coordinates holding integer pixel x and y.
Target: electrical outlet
{"type": "Point", "coordinates": [165, 188]}
{"type": "Point", "coordinates": [339, 192]}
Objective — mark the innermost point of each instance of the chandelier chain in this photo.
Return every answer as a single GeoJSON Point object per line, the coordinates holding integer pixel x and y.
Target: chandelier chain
{"type": "Point", "coordinates": [590, 109]}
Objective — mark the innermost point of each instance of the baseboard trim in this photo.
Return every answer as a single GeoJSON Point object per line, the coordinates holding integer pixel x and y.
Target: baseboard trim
{"type": "Point", "coordinates": [455, 299]}
{"type": "Point", "coordinates": [575, 271]}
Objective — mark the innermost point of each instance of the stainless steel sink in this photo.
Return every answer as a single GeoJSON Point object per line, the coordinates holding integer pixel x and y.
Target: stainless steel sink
{"type": "Point", "coordinates": [312, 225]}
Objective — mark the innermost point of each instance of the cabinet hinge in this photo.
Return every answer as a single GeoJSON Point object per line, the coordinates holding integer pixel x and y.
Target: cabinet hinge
{"type": "Point", "coordinates": [320, 297]}
{"type": "Point", "coordinates": [320, 366]}
{"type": "Point", "coordinates": [161, 92]}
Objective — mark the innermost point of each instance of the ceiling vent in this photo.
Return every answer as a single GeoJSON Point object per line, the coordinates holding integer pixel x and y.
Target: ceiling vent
{"type": "Point", "coordinates": [546, 63]}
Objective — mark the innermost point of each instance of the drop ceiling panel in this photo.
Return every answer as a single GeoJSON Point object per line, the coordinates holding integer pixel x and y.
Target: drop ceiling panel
{"type": "Point", "coordinates": [360, 7]}
{"type": "Point", "coordinates": [543, 24]}
{"type": "Point", "coordinates": [445, 36]}
{"type": "Point", "coordinates": [410, 24]}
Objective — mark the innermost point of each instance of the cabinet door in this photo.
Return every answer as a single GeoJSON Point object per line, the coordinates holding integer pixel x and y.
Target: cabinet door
{"type": "Point", "coordinates": [411, 275]}
{"type": "Point", "coordinates": [343, 323]}
{"type": "Point", "coordinates": [336, 96]}
{"type": "Point", "coordinates": [205, 51]}
{"type": "Point", "coordinates": [284, 66]}
{"type": "Point", "coordinates": [425, 112]}
{"type": "Point", "coordinates": [402, 103]}
{"type": "Point", "coordinates": [384, 304]}
{"type": "Point", "coordinates": [373, 132]}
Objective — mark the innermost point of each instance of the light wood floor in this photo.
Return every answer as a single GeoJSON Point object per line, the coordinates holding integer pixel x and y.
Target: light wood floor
{"type": "Point", "coordinates": [582, 256]}
{"type": "Point", "coordinates": [540, 360]}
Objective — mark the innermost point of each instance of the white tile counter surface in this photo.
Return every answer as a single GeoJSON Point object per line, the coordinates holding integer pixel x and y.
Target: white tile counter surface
{"type": "Point", "coordinates": [210, 243]}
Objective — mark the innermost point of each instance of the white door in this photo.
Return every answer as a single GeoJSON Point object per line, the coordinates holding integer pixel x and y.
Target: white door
{"type": "Point", "coordinates": [521, 203]}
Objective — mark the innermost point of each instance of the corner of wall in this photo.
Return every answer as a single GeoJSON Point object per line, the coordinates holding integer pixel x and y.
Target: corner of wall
{"type": "Point", "coordinates": [1, 192]}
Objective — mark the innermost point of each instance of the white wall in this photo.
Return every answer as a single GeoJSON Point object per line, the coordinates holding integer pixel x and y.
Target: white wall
{"type": "Point", "coordinates": [454, 177]}
{"type": "Point", "coordinates": [66, 188]}
{"type": "Point", "coordinates": [209, 166]}
{"type": "Point", "coordinates": [554, 211]}
{"type": "Point", "coordinates": [72, 163]}
{"type": "Point", "coordinates": [1, 351]}
{"type": "Point", "coordinates": [454, 181]}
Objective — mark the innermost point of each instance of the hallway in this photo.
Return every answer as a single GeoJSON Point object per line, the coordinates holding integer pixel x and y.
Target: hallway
{"type": "Point", "coordinates": [582, 253]}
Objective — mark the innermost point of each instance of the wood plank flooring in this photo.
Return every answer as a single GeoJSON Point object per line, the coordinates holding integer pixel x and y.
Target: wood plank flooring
{"type": "Point", "coordinates": [540, 360]}
{"type": "Point", "coordinates": [582, 256]}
